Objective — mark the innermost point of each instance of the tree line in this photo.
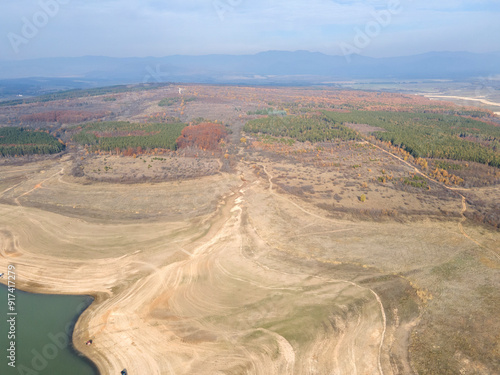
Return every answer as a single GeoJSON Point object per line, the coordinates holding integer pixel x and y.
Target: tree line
{"type": "Point", "coordinates": [109, 136]}
{"type": "Point", "coordinates": [20, 141]}
{"type": "Point", "coordinates": [167, 102]}
{"type": "Point", "coordinates": [316, 128]}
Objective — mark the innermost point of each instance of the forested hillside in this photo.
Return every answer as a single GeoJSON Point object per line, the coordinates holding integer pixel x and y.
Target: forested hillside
{"type": "Point", "coordinates": [19, 141]}
{"type": "Point", "coordinates": [206, 136]}
{"type": "Point", "coordinates": [119, 136]}
{"type": "Point", "coordinates": [314, 128]}
{"type": "Point", "coordinates": [431, 135]}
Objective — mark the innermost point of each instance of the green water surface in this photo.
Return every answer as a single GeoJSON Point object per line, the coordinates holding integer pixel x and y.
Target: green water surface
{"type": "Point", "coordinates": [43, 328]}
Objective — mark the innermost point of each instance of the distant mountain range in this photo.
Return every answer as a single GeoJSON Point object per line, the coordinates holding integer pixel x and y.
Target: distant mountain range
{"type": "Point", "coordinates": [272, 67]}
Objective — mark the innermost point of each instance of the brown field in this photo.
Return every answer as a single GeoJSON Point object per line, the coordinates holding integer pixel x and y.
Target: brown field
{"type": "Point", "coordinates": [264, 262]}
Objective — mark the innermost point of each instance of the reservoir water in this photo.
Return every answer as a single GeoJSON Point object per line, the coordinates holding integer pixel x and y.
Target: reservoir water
{"type": "Point", "coordinates": [43, 327]}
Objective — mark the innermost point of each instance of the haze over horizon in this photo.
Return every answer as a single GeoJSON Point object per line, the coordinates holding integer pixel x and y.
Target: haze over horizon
{"type": "Point", "coordinates": [254, 54]}
{"type": "Point", "coordinates": [132, 28]}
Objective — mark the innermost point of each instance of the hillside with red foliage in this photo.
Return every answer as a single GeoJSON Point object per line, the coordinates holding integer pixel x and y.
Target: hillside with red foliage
{"type": "Point", "coordinates": [205, 136]}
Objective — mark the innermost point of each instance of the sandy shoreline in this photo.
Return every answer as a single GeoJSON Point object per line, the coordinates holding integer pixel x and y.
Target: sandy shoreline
{"type": "Point", "coordinates": [142, 315]}
{"type": "Point", "coordinates": [102, 280]}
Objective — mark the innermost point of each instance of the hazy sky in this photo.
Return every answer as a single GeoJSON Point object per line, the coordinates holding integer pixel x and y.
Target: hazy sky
{"type": "Point", "coordinates": [120, 28]}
